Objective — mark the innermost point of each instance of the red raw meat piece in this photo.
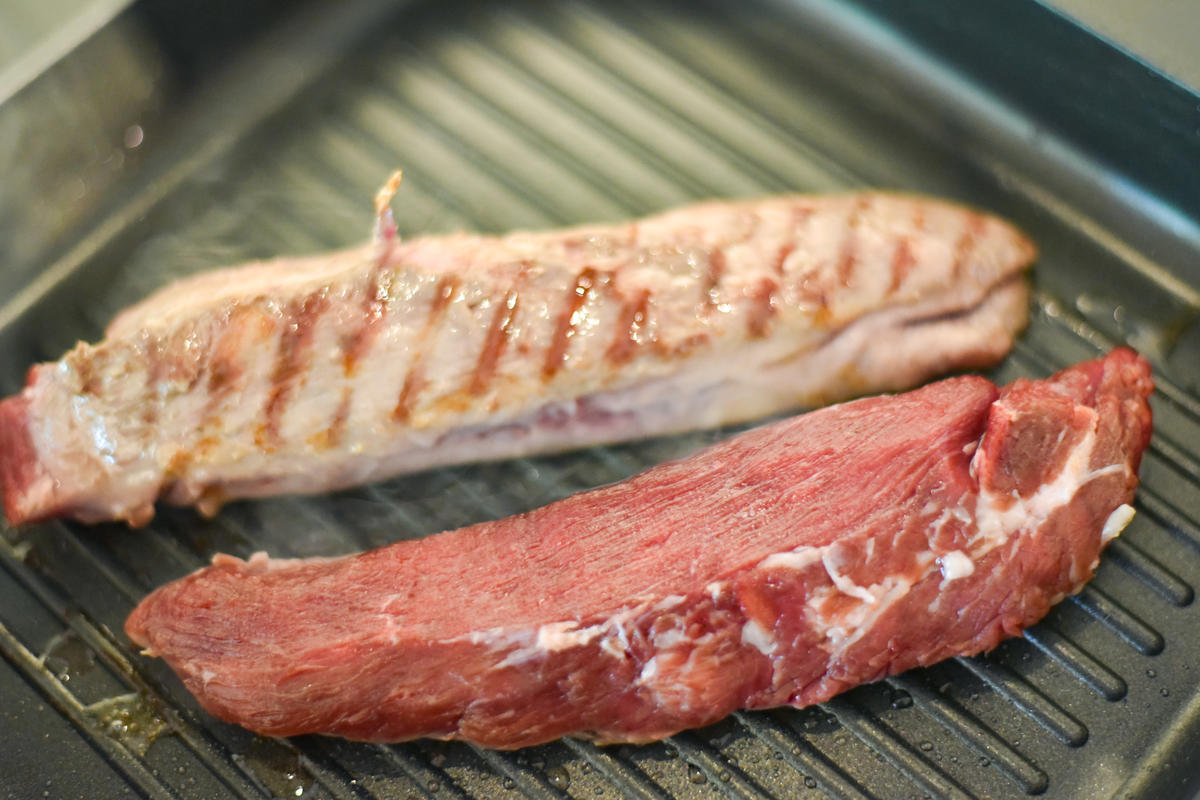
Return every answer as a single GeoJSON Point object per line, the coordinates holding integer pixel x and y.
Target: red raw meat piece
{"type": "Point", "coordinates": [781, 566]}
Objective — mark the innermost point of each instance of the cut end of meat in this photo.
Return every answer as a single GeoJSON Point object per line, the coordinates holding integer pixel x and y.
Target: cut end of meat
{"type": "Point", "coordinates": [27, 492]}
{"type": "Point", "coordinates": [43, 474]}
{"type": "Point", "coordinates": [1036, 426]}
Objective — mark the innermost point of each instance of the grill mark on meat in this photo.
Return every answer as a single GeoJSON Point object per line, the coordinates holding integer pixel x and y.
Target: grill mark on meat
{"type": "Point", "coordinates": [224, 367]}
{"type": "Point", "coordinates": [498, 335]}
{"type": "Point", "coordinates": [902, 263]}
{"type": "Point", "coordinates": [154, 373]}
{"type": "Point", "coordinates": [712, 281]}
{"type": "Point", "coordinates": [718, 263]}
{"type": "Point", "coordinates": [762, 309]}
{"type": "Point", "coordinates": [800, 215]}
{"type": "Point", "coordinates": [689, 343]}
{"type": "Point", "coordinates": [966, 242]}
{"type": "Point", "coordinates": [904, 260]}
{"type": "Point", "coordinates": [443, 294]}
{"type": "Point", "coordinates": [848, 258]}
{"type": "Point", "coordinates": [414, 379]}
{"type": "Point", "coordinates": [556, 354]}
{"type": "Point", "coordinates": [493, 346]}
{"type": "Point", "coordinates": [332, 436]}
{"type": "Point", "coordinates": [291, 362]}
{"type": "Point", "coordinates": [376, 303]}
{"type": "Point", "coordinates": [632, 328]}
{"type": "Point", "coordinates": [222, 375]}
{"type": "Point", "coordinates": [414, 382]}
{"type": "Point", "coordinates": [811, 288]}
{"type": "Point", "coordinates": [785, 250]}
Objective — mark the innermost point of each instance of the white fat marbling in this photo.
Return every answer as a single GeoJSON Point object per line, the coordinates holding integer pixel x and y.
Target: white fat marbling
{"type": "Point", "coordinates": [955, 564]}
{"type": "Point", "coordinates": [997, 524]}
{"type": "Point", "coordinates": [843, 583]}
{"type": "Point", "coordinates": [844, 628]}
{"type": "Point", "coordinates": [758, 637]}
{"type": "Point", "coordinates": [1121, 516]}
{"type": "Point", "coordinates": [799, 558]}
{"type": "Point", "coordinates": [557, 636]}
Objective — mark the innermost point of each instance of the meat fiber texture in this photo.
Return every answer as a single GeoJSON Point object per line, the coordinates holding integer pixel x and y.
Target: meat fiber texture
{"type": "Point", "coordinates": [779, 567]}
{"type": "Point", "coordinates": [303, 375]}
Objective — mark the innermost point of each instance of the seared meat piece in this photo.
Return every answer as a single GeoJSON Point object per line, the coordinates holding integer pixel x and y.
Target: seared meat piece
{"type": "Point", "coordinates": [781, 566]}
{"type": "Point", "coordinates": [302, 375]}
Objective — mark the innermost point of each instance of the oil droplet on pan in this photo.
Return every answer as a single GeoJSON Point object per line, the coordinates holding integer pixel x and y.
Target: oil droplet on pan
{"type": "Point", "coordinates": [278, 767]}
{"type": "Point", "coordinates": [130, 719]}
{"type": "Point", "coordinates": [558, 777]}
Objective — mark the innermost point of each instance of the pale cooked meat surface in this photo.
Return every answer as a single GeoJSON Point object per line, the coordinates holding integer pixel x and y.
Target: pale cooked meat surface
{"type": "Point", "coordinates": [301, 375]}
{"type": "Point", "coordinates": [781, 566]}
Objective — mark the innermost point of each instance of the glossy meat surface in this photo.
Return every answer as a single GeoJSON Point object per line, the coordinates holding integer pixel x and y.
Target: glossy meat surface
{"type": "Point", "coordinates": [781, 566]}
{"type": "Point", "coordinates": [303, 375]}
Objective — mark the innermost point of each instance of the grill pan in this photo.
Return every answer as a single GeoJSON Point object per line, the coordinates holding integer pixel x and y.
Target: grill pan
{"type": "Point", "coordinates": [535, 114]}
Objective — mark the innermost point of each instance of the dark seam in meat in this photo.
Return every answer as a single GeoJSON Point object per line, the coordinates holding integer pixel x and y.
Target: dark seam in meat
{"type": "Point", "coordinates": [499, 332]}
{"type": "Point", "coordinates": [556, 353]}
{"type": "Point", "coordinates": [962, 312]}
{"type": "Point", "coordinates": [295, 342]}
{"type": "Point", "coordinates": [414, 379]}
{"type": "Point", "coordinates": [833, 334]}
{"type": "Point", "coordinates": [966, 242]}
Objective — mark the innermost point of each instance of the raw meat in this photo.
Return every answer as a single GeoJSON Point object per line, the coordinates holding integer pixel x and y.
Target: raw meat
{"type": "Point", "coordinates": [302, 375]}
{"type": "Point", "coordinates": [781, 566]}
